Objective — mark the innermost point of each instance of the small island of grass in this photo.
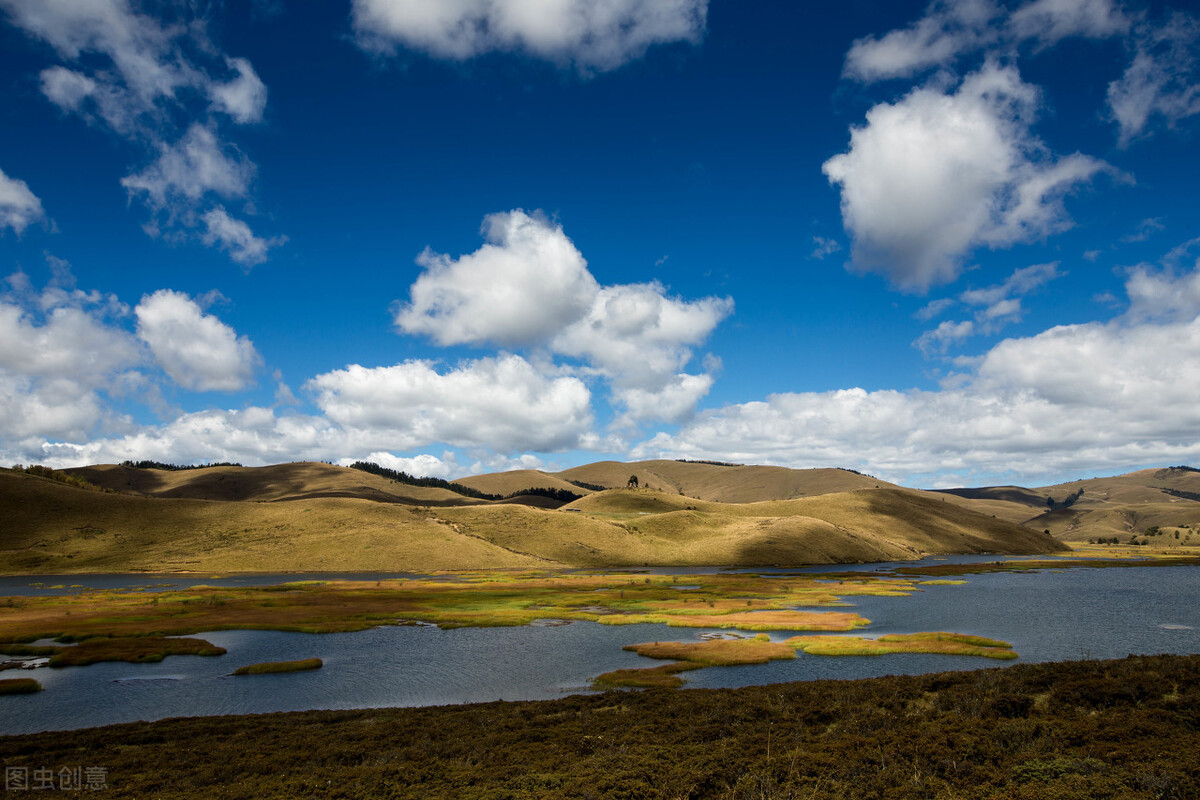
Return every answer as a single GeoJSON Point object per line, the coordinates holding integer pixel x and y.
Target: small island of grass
{"type": "Point", "coordinates": [661, 677]}
{"type": "Point", "coordinates": [19, 686]}
{"type": "Point", "coordinates": [940, 643]}
{"type": "Point", "coordinates": [275, 667]}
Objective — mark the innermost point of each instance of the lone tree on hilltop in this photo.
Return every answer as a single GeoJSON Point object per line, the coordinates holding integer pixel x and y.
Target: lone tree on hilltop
{"type": "Point", "coordinates": [633, 482]}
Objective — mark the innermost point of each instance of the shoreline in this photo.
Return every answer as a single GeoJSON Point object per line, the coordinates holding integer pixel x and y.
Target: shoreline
{"type": "Point", "coordinates": [1022, 731]}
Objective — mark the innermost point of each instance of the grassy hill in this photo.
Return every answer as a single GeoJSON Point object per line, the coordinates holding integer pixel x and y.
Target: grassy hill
{"type": "Point", "coordinates": [298, 481]}
{"type": "Point", "coordinates": [700, 480]}
{"type": "Point", "coordinates": [283, 526]}
{"type": "Point", "coordinates": [1122, 506]}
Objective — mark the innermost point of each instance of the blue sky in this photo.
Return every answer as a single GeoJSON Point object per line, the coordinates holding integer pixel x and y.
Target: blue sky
{"type": "Point", "coordinates": [943, 244]}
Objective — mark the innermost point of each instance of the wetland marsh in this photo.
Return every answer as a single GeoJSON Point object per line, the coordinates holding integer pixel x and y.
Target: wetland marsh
{"type": "Point", "coordinates": [526, 635]}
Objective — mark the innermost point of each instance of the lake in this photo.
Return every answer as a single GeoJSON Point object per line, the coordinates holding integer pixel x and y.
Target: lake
{"type": "Point", "coordinates": [1047, 616]}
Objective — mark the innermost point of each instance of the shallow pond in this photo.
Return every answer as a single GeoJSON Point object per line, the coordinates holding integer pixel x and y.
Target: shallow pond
{"type": "Point", "coordinates": [1047, 616]}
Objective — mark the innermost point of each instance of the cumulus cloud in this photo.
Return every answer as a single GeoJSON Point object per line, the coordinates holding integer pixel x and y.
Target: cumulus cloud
{"type": "Point", "coordinates": [529, 287]}
{"type": "Point", "coordinates": [1163, 294]}
{"type": "Point", "coordinates": [593, 34]}
{"type": "Point", "coordinates": [419, 466]}
{"type": "Point", "coordinates": [525, 284]}
{"type": "Point", "coordinates": [1074, 398]}
{"type": "Point", "coordinates": [502, 403]}
{"type": "Point", "coordinates": [673, 402]}
{"type": "Point", "coordinates": [197, 350]}
{"type": "Point", "coordinates": [936, 174]}
{"type": "Point", "coordinates": [155, 83]}
{"type": "Point", "coordinates": [1161, 81]}
{"type": "Point", "coordinates": [639, 337]}
{"type": "Point", "coordinates": [59, 349]}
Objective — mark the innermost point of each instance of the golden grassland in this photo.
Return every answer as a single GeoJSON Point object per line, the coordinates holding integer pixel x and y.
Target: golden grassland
{"type": "Point", "coordinates": [717, 652]}
{"type": "Point", "coordinates": [941, 643]}
{"type": "Point", "coordinates": [97, 648]}
{"type": "Point", "coordinates": [132, 625]}
{"type": "Point", "coordinates": [277, 667]}
{"type": "Point", "coordinates": [760, 649]}
{"type": "Point", "coordinates": [1126, 729]}
{"type": "Point", "coordinates": [1095, 559]}
{"type": "Point", "coordinates": [664, 676]}
{"type": "Point", "coordinates": [54, 528]}
{"type": "Point", "coordinates": [466, 599]}
{"type": "Point", "coordinates": [19, 686]}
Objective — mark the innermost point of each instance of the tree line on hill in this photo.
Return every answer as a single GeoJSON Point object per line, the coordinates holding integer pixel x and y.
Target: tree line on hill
{"type": "Point", "coordinates": [61, 477]}
{"type": "Point", "coordinates": [561, 495]}
{"type": "Point", "coordinates": [175, 467]}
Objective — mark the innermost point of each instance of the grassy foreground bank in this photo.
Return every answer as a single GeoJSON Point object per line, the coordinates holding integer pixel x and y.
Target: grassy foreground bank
{"type": "Point", "coordinates": [1128, 728]}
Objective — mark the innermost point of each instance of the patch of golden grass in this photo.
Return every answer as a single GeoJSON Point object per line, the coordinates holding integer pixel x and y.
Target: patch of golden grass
{"type": "Point", "coordinates": [139, 650]}
{"type": "Point", "coordinates": [942, 643]}
{"type": "Point", "coordinates": [752, 621]}
{"type": "Point", "coordinates": [717, 652]}
{"type": "Point", "coordinates": [745, 601]}
{"type": "Point", "coordinates": [275, 667]}
{"type": "Point", "coordinates": [19, 686]}
{"type": "Point", "coordinates": [664, 676]}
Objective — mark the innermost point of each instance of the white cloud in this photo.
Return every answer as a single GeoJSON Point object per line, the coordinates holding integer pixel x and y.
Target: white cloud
{"type": "Point", "coordinates": [674, 402]}
{"type": "Point", "coordinates": [937, 341]}
{"type": "Point", "coordinates": [67, 88]}
{"type": "Point", "coordinates": [235, 237]}
{"type": "Point", "coordinates": [244, 97]}
{"type": "Point", "coordinates": [824, 247]}
{"type": "Point", "coordinates": [156, 83]}
{"type": "Point", "coordinates": [934, 308]}
{"type": "Point", "coordinates": [502, 403]}
{"type": "Point", "coordinates": [996, 305]}
{"type": "Point", "coordinates": [19, 207]}
{"type": "Point", "coordinates": [529, 286]}
{"type": "Point", "coordinates": [196, 165]}
{"type": "Point", "coordinates": [934, 175]}
{"type": "Point", "coordinates": [197, 350]}
{"type": "Point", "coordinates": [952, 28]}
{"type": "Point", "coordinates": [58, 350]}
{"type": "Point", "coordinates": [593, 34]}
{"type": "Point", "coordinates": [1021, 282]}
{"type": "Point", "coordinates": [419, 466]}
{"type": "Point", "coordinates": [1163, 294]}
{"type": "Point", "coordinates": [1074, 398]}
{"type": "Point", "coordinates": [637, 336]}
{"type": "Point", "coordinates": [1161, 81]}
{"type": "Point", "coordinates": [1051, 20]}
{"type": "Point", "coordinates": [947, 29]}
{"type": "Point", "coordinates": [528, 282]}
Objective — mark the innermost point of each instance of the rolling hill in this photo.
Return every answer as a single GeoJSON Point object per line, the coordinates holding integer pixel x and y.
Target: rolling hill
{"type": "Point", "coordinates": [1122, 506]}
{"type": "Point", "coordinates": [316, 517]}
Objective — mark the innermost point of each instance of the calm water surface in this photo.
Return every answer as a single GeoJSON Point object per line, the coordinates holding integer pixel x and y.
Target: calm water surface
{"type": "Point", "coordinates": [1047, 616]}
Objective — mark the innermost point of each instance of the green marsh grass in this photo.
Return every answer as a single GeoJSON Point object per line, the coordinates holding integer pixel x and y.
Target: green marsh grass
{"type": "Point", "coordinates": [19, 686]}
{"type": "Point", "coordinates": [275, 667]}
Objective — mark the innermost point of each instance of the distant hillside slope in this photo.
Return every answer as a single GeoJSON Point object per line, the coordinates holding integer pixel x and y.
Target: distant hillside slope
{"type": "Point", "coordinates": [505, 483]}
{"type": "Point", "coordinates": [297, 481]}
{"type": "Point", "coordinates": [50, 528]}
{"type": "Point", "coordinates": [703, 481]}
{"type": "Point", "coordinates": [1122, 506]}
